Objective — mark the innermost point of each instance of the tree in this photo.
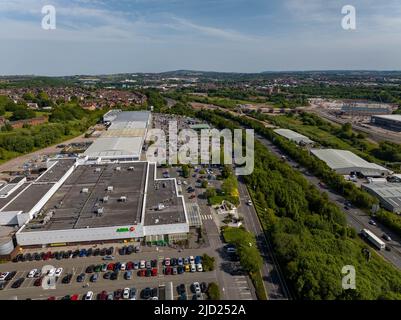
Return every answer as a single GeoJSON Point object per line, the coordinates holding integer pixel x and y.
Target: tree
{"type": "Point", "coordinates": [208, 262]}
{"type": "Point", "coordinates": [185, 171]}
{"type": "Point", "coordinates": [213, 291]}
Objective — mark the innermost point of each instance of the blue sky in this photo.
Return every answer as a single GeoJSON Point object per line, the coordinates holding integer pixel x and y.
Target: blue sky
{"type": "Point", "coordinates": [100, 36]}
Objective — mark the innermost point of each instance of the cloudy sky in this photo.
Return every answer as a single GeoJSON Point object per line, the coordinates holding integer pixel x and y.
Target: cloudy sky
{"type": "Point", "coordinates": [111, 36]}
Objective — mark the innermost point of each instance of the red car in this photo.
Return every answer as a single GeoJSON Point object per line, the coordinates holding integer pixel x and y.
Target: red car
{"type": "Point", "coordinates": [51, 298]}
{"type": "Point", "coordinates": [110, 266]}
{"type": "Point", "coordinates": [192, 196]}
{"type": "Point", "coordinates": [103, 295]}
{"type": "Point", "coordinates": [74, 297]}
{"type": "Point", "coordinates": [129, 266]}
{"type": "Point", "coordinates": [142, 273]}
{"type": "Point", "coordinates": [168, 271]}
{"type": "Point", "coordinates": [154, 272]}
{"type": "Point", "coordinates": [38, 282]}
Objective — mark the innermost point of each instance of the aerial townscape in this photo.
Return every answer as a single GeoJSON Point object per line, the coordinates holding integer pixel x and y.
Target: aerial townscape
{"type": "Point", "coordinates": [185, 185]}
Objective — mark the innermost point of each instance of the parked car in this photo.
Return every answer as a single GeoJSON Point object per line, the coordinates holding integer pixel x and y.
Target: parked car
{"type": "Point", "coordinates": [11, 275]}
{"type": "Point", "coordinates": [18, 283]}
{"type": "Point", "coordinates": [90, 269]}
{"type": "Point", "coordinates": [146, 293]}
{"type": "Point", "coordinates": [81, 277]}
{"type": "Point", "coordinates": [38, 282]}
{"type": "Point", "coordinates": [3, 276]}
{"type": "Point", "coordinates": [67, 278]}
{"type": "Point", "coordinates": [94, 277]}
{"type": "Point", "coordinates": [58, 272]}
{"type": "Point", "coordinates": [107, 275]}
{"type": "Point", "coordinates": [128, 275]}
{"type": "Point", "coordinates": [132, 294]}
{"type": "Point", "coordinates": [196, 288]}
{"type": "Point", "coordinates": [102, 295]}
{"type": "Point", "coordinates": [118, 294]}
{"type": "Point", "coordinates": [193, 268]}
{"type": "Point", "coordinates": [199, 267]}
{"type": "Point", "coordinates": [74, 297]}
{"type": "Point", "coordinates": [126, 293]}
{"type": "Point", "coordinates": [114, 275]}
{"type": "Point", "coordinates": [142, 264]}
{"type": "Point", "coordinates": [203, 286]}
{"type": "Point", "coordinates": [89, 295]}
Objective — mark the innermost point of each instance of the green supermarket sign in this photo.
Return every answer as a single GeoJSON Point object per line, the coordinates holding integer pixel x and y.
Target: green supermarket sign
{"type": "Point", "coordinates": [121, 230]}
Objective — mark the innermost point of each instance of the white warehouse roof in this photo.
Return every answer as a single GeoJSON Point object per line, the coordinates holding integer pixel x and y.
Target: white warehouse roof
{"type": "Point", "coordinates": [394, 117]}
{"type": "Point", "coordinates": [293, 136]}
{"type": "Point", "coordinates": [345, 162]}
{"type": "Point", "coordinates": [120, 147]}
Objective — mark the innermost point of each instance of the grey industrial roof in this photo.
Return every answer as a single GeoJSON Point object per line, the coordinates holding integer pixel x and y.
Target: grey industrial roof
{"type": "Point", "coordinates": [395, 117]}
{"type": "Point", "coordinates": [293, 136]}
{"type": "Point", "coordinates": [75, 209]}
{"type": "Point", "coordinates": [115, 147]}
{"type": "Point", "coordinates": [5, 201]}
{"type": "Point", "coordinates": [162, 191]}
{"type": "Point", "coordinates": [387, 192]}
{"type": "Point", "coordinates": [128, 116]}
{"type": "Point", "coordinates": [57, 171]}
{"type": "Point", "coordinates": [344, 159]}
{"type": "Point", "coordinates": [29, 198]}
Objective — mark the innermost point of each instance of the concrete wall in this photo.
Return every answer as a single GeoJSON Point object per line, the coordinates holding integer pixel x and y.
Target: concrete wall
{"type": "Point", "coordinates": [9, 218]}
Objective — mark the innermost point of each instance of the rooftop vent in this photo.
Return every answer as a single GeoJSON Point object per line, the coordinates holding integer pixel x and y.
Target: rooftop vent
{"type": "Point", "coordinates": [105, 199]}
{"type": "Point", "coordinates": [123, 199]}
{"type": "Point", "coordinates": [100, 211]}
{"type": "Point", "coordinates": [160, 207]}
{"type": "Point", "coordinates": [110, 188]}
{"type": "Point", "coordinates": [131, 168]}
{"type": "Point", "coordinates": [118, 168]}
{"type": "Point", "coordinates": [85, 190]}
{"type": "Point", "coordinates": [97, 170]}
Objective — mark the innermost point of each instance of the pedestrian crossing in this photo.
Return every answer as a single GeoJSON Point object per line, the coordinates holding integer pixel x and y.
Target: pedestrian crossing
{"type": "Point", "coordinates": [207, 217]}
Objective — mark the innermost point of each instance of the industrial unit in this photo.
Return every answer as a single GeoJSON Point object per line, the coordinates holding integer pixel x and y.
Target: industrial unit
{"type": "Point", "coordinates": [294, 136]}
{"type": "Point", "coordinates": [124, 138]}
{"type": "Point", "coordinates": [345, 162]}
{"type": "Point", "coordinates": [389, 195]}
{"type": "Point", "coordinates": [390, 122]}
{"type": "Point", "coordinates": [364, 109]}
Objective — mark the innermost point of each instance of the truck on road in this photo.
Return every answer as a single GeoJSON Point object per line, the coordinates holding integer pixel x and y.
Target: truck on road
{"type": "Point", "coordinates": [373, 239]}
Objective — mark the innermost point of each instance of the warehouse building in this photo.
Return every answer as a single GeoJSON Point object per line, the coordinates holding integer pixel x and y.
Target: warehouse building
{"type": "Point", "coordinates": [124, 138]}
{"type": "Point", "coordinates": [100, 202]}
{"type": "Point", "coordinates": [345, 162]}
{"type": "Point", "coordinates": [365, 109]}
{"type": "Point", "coordinates": [390, 122]}
{"type": "Point", "coordinates": [389, 195]}
{"type": "Point", "coordinates": [294, 136]}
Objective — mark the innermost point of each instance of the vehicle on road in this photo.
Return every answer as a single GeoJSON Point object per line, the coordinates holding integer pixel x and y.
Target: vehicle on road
{"type": "Point", "coordinates": [372, 222]}
{"type": "Point", "coordinates": [373, 239]}
{"type": "Point", "coordinates": [386, 237]}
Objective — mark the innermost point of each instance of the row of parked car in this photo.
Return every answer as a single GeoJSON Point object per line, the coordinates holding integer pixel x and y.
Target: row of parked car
{"type": "Point", "coordinates": [174, 266]}
{"type": "Point", "coordinates": [58, 255]}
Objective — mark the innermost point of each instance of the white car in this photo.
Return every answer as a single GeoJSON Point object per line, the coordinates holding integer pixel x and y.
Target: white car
{"type": "Point", "coordinates": [126, 293]}
{"type": "Point", "coordinates": [58, 272]}
{"type": "Point", "coordinates": [32, 273]}
{"type": "Point", "coordinates": [249, 203]}
{"type": "Point", "coordinates": [179, 182]}
{"type": "Point", "coordinates": [142, 264]}
{"type": "Point", "coordinates": [4, 275]}
{"type": "Point", "coordinates": [197, 288]}
{"type": "Point", "coordinates": [89, 295]}
{"type": "Point", "coordinates": [123, 267]}
{"type": "Point", "coordinates": [199, 267]}
{"type": "Point", "coordinates": [193, 268]}
{"type": "Point", "coordinates": [191, 260]}
{"type": "Point", "coordinates": [167, 262]}
{"type": "Point", "coordinates": [51, 272]}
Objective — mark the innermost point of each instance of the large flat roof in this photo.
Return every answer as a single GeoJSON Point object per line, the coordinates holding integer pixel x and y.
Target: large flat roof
{"type": "Point", "coordinates": [75, 204]}
{"type": "Point", "coordinates": [115, 147]}
{"type": "Point", "coordinates": [293, 136]}
{"type": "Point", "coordinates": [346, 160]}
{"type": "Point", "coordinates": [162, 191]}
{"type": "Point", "coordinates": [57, 170]}
{"type": "Point", "coordinates": [387, 192]}
{"type": "Point", "coordinates": [394, 117]}
{"type": "Point", "coordinates": [128, 116]}
{"type": "Point", "coordinates": [29, 198]}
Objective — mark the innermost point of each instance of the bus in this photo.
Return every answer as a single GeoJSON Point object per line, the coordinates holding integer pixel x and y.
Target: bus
{"type": "Point", "coordinates": [373, 239]}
